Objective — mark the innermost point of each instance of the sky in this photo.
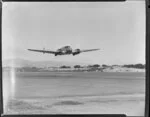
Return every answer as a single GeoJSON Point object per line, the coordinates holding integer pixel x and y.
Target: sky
{"type": "Point", "coordinates": [117, 28]}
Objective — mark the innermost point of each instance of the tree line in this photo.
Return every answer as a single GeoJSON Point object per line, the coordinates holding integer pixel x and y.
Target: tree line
{"type": "Point", "coordinates": [140, 66]}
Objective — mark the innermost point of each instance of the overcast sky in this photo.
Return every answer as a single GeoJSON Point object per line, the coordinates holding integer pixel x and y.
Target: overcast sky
{"type": "Point", "coordinates": [118, 29]}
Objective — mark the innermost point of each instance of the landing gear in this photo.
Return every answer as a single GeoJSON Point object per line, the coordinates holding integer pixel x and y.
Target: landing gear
{"type": "Point", "coordinates": [55, 54]}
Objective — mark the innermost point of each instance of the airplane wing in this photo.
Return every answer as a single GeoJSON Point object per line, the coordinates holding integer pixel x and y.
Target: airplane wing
{"type": "Point", "coordinates": [89, 50]}
{"type": "Point", "coordinates": [43, 51]}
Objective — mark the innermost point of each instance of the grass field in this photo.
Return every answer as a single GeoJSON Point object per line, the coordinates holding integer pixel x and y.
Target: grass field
{"type": "Point", "coordinates": [61, 93]}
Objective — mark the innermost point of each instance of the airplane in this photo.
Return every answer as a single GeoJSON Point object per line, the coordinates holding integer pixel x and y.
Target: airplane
{"type": "Point", "coordinates": [66, 50]}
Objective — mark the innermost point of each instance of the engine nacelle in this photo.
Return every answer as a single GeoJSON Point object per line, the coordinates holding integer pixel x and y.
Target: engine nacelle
{"type": "Point", "coordinates": [76, 51]}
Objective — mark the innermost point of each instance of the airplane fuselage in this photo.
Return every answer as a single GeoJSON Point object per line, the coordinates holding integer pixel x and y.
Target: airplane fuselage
{"type": "Point", "coordinates": [64, 51]}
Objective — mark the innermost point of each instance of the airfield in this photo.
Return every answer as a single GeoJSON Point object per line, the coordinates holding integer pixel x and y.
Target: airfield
{"type": "Point", "coordinates": [74, 93]}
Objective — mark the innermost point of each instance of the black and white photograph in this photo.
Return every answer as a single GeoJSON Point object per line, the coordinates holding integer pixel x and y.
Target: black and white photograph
{"type": "Point", "coordinates": [74, 57]}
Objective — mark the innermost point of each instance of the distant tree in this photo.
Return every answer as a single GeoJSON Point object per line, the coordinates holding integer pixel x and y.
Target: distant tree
{"type": "Point", "coordinates": [114, 65]}
{"type": "Point", "coordinates": [65, 66]}
{"type": "Point", "coordinates": [77, 66]}
{"type": "Point", "coordinates": [30, 69]}
{"type": "Point", "coordinates": [89, 66]}
{"type": "Point", "coordinates": [96, 65]}
{"type": "Point", "coordinates": [34, 68]}
{"type": "Point", "coordinates": [104, 65]}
